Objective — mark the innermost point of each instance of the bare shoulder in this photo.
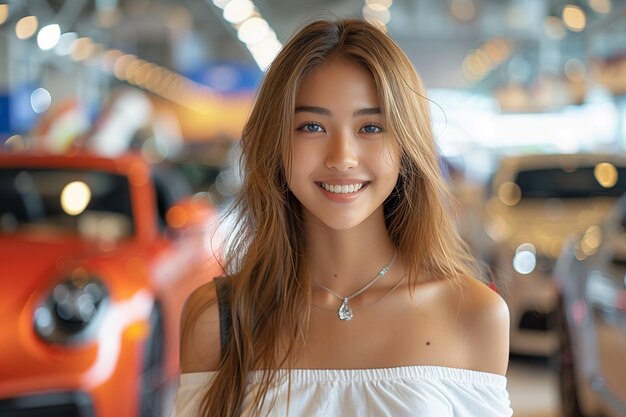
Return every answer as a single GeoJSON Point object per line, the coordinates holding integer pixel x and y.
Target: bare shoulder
{"type": "Point", "coordinates": [484, 324]}
{"type": "Point", "coordinates": [200, 331]}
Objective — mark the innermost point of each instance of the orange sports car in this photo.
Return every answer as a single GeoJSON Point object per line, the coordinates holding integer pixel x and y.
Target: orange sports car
{"type": "Point", "coordinates": [97, 257]}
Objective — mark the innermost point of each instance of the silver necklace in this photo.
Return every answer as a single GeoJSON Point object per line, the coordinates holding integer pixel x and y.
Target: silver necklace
{"type": "Point", "coordinates": [345, 311]}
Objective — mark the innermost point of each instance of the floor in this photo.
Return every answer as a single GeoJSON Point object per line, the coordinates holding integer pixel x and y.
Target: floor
{"type": "Point", "coordinates": [532, 388]}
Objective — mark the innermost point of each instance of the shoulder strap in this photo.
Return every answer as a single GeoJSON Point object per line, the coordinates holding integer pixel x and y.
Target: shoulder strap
{"type": "Point", "coordinates": [222, 287]}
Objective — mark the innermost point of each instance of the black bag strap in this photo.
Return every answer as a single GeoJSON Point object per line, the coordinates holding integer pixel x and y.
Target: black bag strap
{"type": "Point", "coordinates": [222, 287]}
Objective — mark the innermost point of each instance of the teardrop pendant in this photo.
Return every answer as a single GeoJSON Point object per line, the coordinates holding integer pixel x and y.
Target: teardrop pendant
{"type": "Point", "coordinates": [345, 312]}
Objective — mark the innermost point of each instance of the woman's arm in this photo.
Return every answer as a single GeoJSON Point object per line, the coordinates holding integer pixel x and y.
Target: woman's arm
{"type": "Point", "coordinates": [200, 331]}
{"type": "Point", "coordinates": [484, 324]}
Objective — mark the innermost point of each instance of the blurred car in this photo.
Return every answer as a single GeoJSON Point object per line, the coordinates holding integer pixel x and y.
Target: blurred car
{"type": "Point", "coordinates": [535, 202]}
{"type": "Point", "coordinates": [97, 257]}
{"type": "Point", "coordinates": [211, 168]}
{"type": "Point", "coordinates": [591, 277]}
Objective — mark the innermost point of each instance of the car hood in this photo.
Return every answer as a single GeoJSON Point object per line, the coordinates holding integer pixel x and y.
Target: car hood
{"type": "Point", "coordinates": [545, 223]}
{"type": "Point", "coordinates": [28, 263]}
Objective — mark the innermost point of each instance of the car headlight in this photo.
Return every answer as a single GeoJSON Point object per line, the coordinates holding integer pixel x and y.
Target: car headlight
{"type": "Point", "coordinates": [525, 259]}
{"type": "Point", "coordinates": [72, 310]}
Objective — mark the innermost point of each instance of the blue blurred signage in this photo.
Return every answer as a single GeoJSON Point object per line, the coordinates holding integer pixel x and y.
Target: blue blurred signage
{"type": "Point", "coordinates": [16, 112]}
{"type": "Point", "coordinates": [227, 77]}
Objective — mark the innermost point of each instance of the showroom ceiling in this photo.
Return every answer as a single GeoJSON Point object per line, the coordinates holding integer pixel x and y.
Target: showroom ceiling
{"type": "Point", "coordinates": [438, 35]}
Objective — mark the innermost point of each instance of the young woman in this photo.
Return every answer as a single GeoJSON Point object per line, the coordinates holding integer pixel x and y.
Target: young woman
{"type": "Point", "coordinates": [348, 291]}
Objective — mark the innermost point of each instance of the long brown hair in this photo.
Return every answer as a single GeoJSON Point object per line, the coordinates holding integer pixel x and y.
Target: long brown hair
{"type": "Point", "coordinates": [270, 295]}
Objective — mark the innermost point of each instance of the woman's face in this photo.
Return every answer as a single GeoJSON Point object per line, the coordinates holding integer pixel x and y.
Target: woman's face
{"type": "Point", "coordinates": [342, 169]}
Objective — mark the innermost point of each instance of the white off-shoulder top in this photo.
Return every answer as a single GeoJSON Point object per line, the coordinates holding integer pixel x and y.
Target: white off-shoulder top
{"type": "Point", "coordinates": [415, 391]}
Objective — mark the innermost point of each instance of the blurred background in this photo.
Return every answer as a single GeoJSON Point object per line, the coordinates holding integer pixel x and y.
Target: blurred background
{"type": "Point", "coordinates": [119, 129]}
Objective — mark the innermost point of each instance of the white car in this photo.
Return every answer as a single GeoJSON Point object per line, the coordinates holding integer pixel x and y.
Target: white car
{"type": "Point", "coordinates": [534, 203]}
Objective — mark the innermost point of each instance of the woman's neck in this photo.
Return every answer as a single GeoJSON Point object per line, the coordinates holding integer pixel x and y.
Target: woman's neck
{"type": "Point", "coordinates": [346, 260]}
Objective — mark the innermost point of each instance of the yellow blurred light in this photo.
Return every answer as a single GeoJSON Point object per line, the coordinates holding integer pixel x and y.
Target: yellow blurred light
{"type": "Point", "coordinates": [509, 193]}
{"type": "Point", "coordinates": [110, 57]}
{"type": "Point", "coordinates": [591, 240]}
{"type": "Point", "coordinates": [600, 6]}
{"type": "Point", "coordinates": [473, 67]}
{"type": "Point", "coordinates": [131, 70]}
{"type": "Point", "coordinates": [75, 197]}
{"type": "Point", "coordinates": [574, 18]}
{"type": "Point", "coordinates": [26, 27]}
{"type": "Point", "coordinates": [176, 87]}
{"type": "Point", "coordinates": [119, 69]}
{"type": "Point", "coordinates": [483, 59]}
{"type": "Point", "coordinates": [82, 48]}
{"type": "Point", "coordinates": [497, 49]}
{"type": "Point", "coordinates": [606, 174]}
{"type": "Point", "coordinates": [153, 77]}
{"type": "Point", "coordinates": [4, 13]}
{"type": "Point", "coordinates": [142, 73]}
{"type": "Point", "coordinates": [167, 78]}
{"type": "Point", "coordinates": [463, 9]}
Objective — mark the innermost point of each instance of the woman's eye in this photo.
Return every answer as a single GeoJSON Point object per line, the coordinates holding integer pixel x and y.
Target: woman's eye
{"type": "Point", "coordinates": [372, 128]}
{"type": "Point", "coordinates": [311, 127]}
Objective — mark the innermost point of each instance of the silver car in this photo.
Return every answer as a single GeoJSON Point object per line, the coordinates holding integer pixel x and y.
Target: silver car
{"type": "Point", "coordinates": [591, 275]}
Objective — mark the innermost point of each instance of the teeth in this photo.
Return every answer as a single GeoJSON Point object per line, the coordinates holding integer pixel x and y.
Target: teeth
{"type": "Point", "coordinates": [342, 189]}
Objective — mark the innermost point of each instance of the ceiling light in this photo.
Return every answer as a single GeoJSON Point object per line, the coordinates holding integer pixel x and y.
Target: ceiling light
{"type": "Point", "coordinates": [40, 100]}
{"type": "Point", "coordinates": [265, 51]}
{"type": "Point", "coordinates": [381, 16]}
{"type": "Point", "coordinates": [119, 69]}
{"type": "Point", "coordinates": [379, 3]}
{"type": "Point", "coordinates": [66, 43]}
{"type": "Point", "coordinates": [463, 9]}
{"type": "Point", "coordinates": [236, 11]}
{"type": "Point", "coordinates": [48, 37]}
{"type": "Point", "coordinates": [575, 70]}
{"type": "Point", "coordinates": [600, 6]}
{"type": "Point", "coordinates": [574, 18]}
{"type": "Point", "coordinates": [253, 30]}
{"type": "Point", "coordinates": [221, 3]}
{"type": "Point", "coordinates": [82, 49]}
{"type": "Point", "coordinates": [26, 27]}
{"type": "Point", "coordinates": [4, 13]}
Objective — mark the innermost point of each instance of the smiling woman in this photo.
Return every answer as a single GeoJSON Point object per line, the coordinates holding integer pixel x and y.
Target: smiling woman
{"type": "Point", "coordinates": [345, 266]}
{"type": "Point", "coordinates": [337, 151]}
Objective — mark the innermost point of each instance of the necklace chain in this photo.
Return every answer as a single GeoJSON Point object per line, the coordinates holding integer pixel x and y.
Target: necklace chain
{"type": "Point", "coordinates": [345, 311]}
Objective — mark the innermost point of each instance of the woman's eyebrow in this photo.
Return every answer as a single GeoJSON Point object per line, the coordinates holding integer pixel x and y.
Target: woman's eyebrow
{"type": "Point", "coordinates": [325, 112]}
{"type": "Point", "coordinates": [313, 109]}
{"type": "Point", "coordinates": [366, 111]}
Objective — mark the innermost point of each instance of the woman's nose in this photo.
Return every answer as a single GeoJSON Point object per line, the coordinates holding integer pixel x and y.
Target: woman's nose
{"type": "Point", "coordinates": [342, 153]}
